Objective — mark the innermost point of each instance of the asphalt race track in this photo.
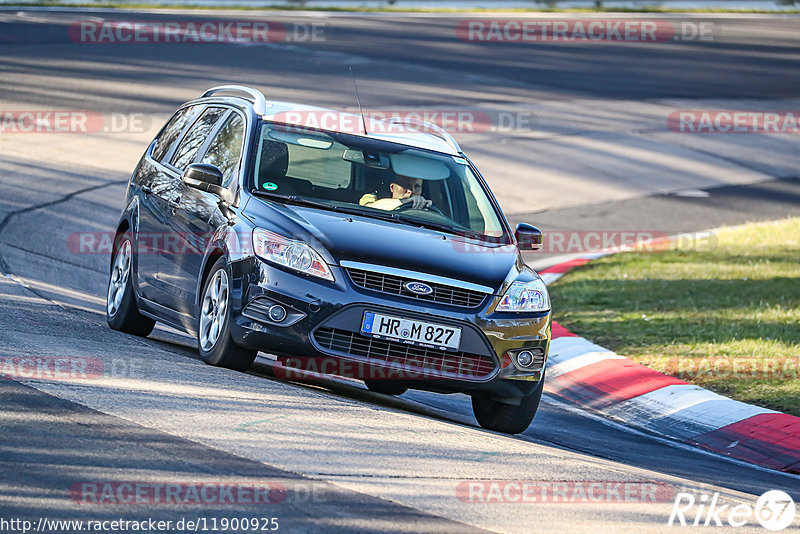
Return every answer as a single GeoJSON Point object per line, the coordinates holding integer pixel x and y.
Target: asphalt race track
{"type": "Point", "coordinates": [599, 155]}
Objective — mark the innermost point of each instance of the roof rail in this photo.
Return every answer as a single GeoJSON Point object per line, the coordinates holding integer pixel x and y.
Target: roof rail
{"type": "Point", "coordinates": [259, 102]}
{"type": "Point", "coordinates": [424, 125]}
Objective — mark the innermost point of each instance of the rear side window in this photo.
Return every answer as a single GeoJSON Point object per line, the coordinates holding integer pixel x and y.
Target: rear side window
{"type": "Point", "coordinates": [173, 130]}
{"type": "Point", "coordinates": [195, 137]}
{"type": "Point", "coordinates": [226, 148]}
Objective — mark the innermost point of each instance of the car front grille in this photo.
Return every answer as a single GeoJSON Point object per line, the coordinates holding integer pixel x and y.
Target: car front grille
{"type": "Point", "coordinates": [393, 284]}
{"type": "Point", "coordinates": [412, 361]}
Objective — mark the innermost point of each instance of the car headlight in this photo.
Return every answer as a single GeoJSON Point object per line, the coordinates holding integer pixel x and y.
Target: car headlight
{"type": "Point", "coordinates": [525, 297]}
{"type": "Point", "coordinates": [295, 255]}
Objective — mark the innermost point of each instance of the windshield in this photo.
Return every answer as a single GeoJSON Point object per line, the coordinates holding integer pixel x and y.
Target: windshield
{"type": "Point", "coordinates": [374, 178]}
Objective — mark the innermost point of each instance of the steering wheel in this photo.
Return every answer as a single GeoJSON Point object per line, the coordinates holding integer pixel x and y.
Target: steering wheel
{"type": "Point", "coordinates": [410, 205]}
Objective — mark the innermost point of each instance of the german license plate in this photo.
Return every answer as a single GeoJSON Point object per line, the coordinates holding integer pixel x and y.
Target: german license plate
{"type": "Point", "coordinates": [411, 331]}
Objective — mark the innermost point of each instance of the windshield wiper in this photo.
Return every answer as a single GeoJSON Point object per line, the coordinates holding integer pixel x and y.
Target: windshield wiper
{"type": "Point", "coordinates": [378, 214]}
{"type": "Point", "coordinates": [463, 232]}
{"type": "Point", "coordinates": [294, 199]}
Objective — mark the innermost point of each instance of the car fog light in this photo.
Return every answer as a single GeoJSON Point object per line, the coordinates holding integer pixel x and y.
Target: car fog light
{"type": "Point", "coordinates": [277, 313]}
{"type": "Point", "coordinates": [525, 358]}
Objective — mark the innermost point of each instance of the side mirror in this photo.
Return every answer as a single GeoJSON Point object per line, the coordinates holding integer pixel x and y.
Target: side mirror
{"type": "Point", "coordinates": [528, 237]}
{"type": "Point", "coordinates": [202, 176]}
{"type": "Point", "coordinates": [207, 177]}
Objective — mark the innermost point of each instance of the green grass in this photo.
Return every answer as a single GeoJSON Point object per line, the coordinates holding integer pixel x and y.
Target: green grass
{"type": "Point", "coordinates": [709, 314]}
{"type": "Point", "coordinates": [390, 9]}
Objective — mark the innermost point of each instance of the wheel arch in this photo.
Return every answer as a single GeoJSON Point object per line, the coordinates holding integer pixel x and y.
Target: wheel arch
{"type": "Point", "coordinates": [123, 226]}
{"type": "Point", "coordinates": [215, 252]}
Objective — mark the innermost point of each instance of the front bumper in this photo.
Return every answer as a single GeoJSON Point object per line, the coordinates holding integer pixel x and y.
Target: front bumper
{"type": "Point", "coordinates": [321, 333]}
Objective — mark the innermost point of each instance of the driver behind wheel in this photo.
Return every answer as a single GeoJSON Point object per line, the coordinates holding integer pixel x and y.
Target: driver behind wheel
{"type": "Point", "coordinates": [404, 190]}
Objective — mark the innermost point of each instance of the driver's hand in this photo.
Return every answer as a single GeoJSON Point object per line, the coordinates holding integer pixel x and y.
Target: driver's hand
{"type": "Point", "coordinates": [418, 202]}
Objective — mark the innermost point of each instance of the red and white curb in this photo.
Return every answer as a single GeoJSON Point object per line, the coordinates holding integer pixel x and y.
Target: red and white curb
{"type": "Point", "coordinates": [599, 380]}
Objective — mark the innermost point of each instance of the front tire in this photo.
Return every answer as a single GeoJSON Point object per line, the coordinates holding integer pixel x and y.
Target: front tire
{"type": "Point", "coordinates": [121, 311]}
{"type": "Point", "coordinates": [214, 324]}
{"type": "Point", "coordinates": [507, 418]}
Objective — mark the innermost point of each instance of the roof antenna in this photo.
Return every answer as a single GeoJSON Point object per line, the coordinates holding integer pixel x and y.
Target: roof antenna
{"type": "Point", "coordinates": [358, 100]}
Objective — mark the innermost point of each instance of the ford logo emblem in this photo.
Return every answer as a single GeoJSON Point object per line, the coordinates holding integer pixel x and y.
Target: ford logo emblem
{"type": "Point", "coordinates": [418, 288]}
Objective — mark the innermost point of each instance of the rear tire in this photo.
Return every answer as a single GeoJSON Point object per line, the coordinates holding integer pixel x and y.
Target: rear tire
{"type": "Point", "coordinates": [121, 311]}
{"type": "Point", "coordinates": [386, 387]}
{"type": "Point", "coordinates": [214, 339]}
{"type": "Point", "coordinates": [507, 418]}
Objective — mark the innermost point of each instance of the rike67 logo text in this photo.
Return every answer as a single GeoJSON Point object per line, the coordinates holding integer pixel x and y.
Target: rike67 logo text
{"type": "Point", "coordinates": [774, 510]}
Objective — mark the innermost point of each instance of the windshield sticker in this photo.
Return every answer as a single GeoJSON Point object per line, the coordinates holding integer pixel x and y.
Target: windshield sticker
{"type": "Point", "coordinates": [270, 186]}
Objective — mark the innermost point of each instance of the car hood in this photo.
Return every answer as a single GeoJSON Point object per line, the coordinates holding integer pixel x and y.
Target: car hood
{"type": "Point", "coordinates": [367, 240]}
